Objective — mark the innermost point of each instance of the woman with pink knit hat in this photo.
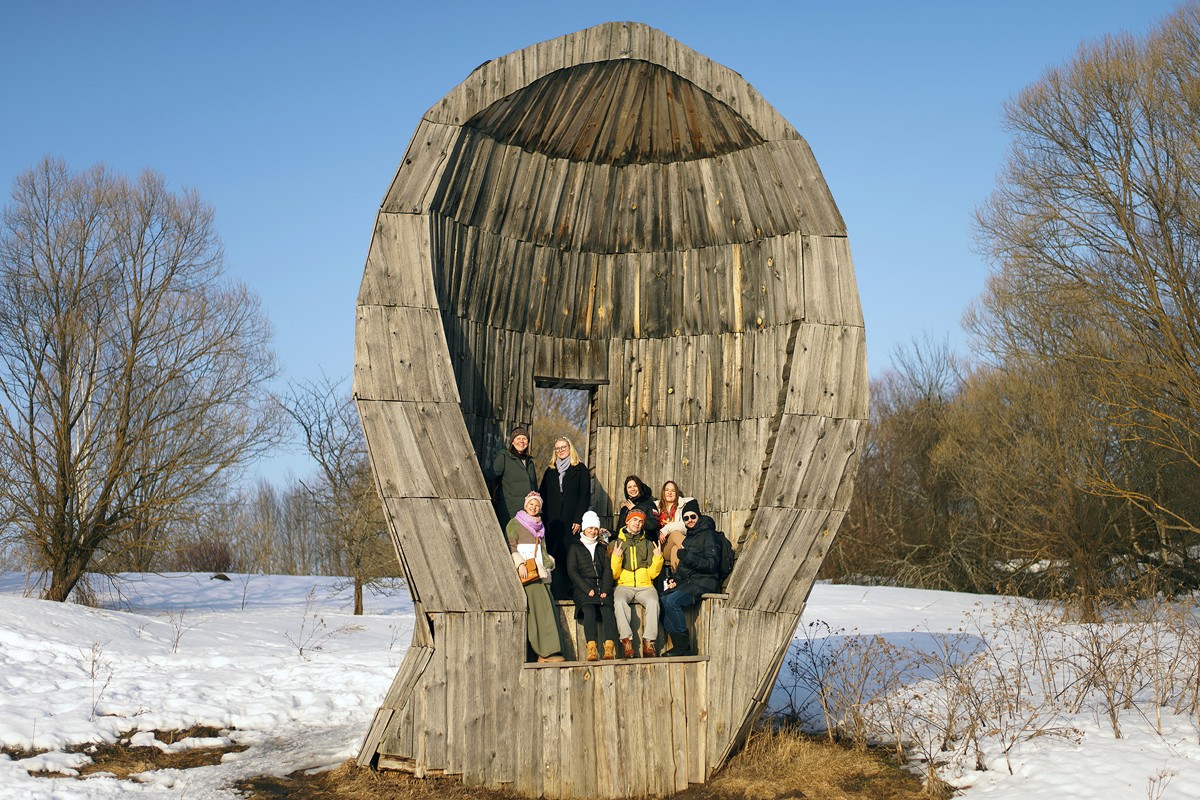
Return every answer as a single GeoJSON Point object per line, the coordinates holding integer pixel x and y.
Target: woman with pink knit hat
{"type": "Point", "coordinates": [526, 537]}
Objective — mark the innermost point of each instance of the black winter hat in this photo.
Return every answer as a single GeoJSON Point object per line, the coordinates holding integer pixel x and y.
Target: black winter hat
{"type": "Point", "coordinates": [690, 505]}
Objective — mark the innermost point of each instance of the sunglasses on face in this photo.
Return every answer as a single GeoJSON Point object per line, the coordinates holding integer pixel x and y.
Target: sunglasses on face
{"type": "Point", "coordinates": [687, 517]}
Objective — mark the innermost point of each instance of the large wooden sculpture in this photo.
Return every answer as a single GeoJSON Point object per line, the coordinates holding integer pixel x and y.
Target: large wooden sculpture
{"type": "Point", "coordinates": [606, 210]}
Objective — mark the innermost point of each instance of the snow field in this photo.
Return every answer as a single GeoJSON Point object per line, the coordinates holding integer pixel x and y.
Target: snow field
{"type": "Point", "coordinates": [176, 650]}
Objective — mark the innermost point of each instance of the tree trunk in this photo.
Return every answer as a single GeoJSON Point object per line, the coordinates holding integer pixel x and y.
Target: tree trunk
{"type": "Point", "coordinates": [63, 579]}
{"type": "Point", "coordinates": [358, 596]}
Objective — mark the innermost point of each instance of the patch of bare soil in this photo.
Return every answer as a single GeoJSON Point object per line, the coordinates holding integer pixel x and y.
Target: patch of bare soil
{"type": "Point", "coordinates": [124, 761]}
{"type": "Point", "coordinates": [774, 765]}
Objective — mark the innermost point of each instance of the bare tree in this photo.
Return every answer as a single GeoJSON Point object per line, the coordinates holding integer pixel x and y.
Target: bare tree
{"type": "Point", "coordinates": [133, 372]}
{"type": "Point", "coordinates": [1095, 231]}
{"type": "Point", "coordinates": [344, 493]}
{"type": "Point", "coordinates": [908, 521]}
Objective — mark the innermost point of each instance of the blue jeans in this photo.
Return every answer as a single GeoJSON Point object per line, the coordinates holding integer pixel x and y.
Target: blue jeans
{"type": "Point", "coordinates": [673, 604]}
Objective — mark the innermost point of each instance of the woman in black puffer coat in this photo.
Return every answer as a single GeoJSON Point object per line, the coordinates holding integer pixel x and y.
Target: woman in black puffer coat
{"type": "Point", "coordinates": [638, 495]}
{"type": "Point", "coordinates": [592, 586]}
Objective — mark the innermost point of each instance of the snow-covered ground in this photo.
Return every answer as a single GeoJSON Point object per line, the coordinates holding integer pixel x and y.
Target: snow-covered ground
{"type": "Point", "coordinates": [176, 650]}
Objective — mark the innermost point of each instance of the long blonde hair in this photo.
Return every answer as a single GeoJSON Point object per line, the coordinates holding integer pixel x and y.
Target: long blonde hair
{"type": "Point", "coordinates": [570, 444]}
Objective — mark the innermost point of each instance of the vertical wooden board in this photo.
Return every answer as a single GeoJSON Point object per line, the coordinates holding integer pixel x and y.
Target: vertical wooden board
{"type": "Point", "coordinates": [660, 699]}
{"type": "Point", "coordinates": [528, 734]}
{"type": "Point", "coordinates": [379, 725]}
{"type": "Point", "coordinates": [768, 533]}
{"type": "Point", "coordinates": [399, 268]}
{"type": "Point", "coordinates": [466, 194]}
{"type": "Point", "coordinates": [411, 189]}
{"type": "Point", "coordinates": [408, 355]}
{"type": "Point", "coordinates": [809, 475]}
{"type": "Point", "coordinates": [696, 689]}
{"type": "Point", "coordinates": [808, 188]}
{"type": "Point", "coordinates": [679, 719]}
{"type": "Point", "coordinates": [397, 739]}
{"type": "Point", "coordinates": [494, 634]}
{"type": "Point", "coordinates": [424, 563]}
{"type": "Point", "coordinates": [459, 692]}
{"type": "Point", "coordinates": [635, 741]}
{"type": "Point", "coordinates": [605, 737]}
{"type": "Point", "coordinates": [568, 755]}
{"type": "Point", "coordinates": [433, 693]}
{"type": "Point", "coordinates": [549, 699]}
{"type": "Point", "coordinates": [778, 586]}
{"type": "Point", "coordinates": [583, 721]}
{"type": "Point", "coordinates": [392, 447]}
{"type": "Point", "coordinates": [795, 592]}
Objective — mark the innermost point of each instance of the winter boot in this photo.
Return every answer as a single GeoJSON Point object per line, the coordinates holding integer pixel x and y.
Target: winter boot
{"type": "Point", "coordinates": [592, 655]}
{"type": "Point", "coordinates": [610, 650]}
{"type": "Point", "coordinates": [680, 645]}
{"type": "Point", "coordinates": [627, 647]}
{"type": "Point", "coordinates": [648, 649]}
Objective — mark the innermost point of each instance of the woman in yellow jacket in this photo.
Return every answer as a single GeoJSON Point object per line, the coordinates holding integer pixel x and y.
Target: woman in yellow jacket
{"type": "Point", "coordinates": [636, 562]}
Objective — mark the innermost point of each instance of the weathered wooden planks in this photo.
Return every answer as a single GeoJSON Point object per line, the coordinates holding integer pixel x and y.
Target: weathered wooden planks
{"type": "Point", "coordinates": [494, 80]}
{"type": "Point", "coordinates": [768, 190]}
{"type": "Point", "coordinates": [586, 129]}
{"type": "Point", "coordinates": [608, 210]}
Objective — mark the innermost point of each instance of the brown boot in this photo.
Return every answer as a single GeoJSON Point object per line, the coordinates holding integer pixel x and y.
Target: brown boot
{"type": "Point", "coordinates": [554, 659]}
{"type": "Point", "coordinates": [627, 646]}
{"type": "Point", "coordinates": [648, 649]}
{"type": "Point", "coordinates": [592, 655]}
{"type": "Point", "coordinates": [610, 650]}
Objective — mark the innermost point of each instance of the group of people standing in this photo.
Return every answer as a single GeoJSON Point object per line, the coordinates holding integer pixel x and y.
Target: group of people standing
{"type": "Point", "coordinates": [663, 556]}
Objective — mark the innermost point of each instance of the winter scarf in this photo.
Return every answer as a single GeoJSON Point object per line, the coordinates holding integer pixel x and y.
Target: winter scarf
{"type": "Point", "coordinates": [563, 464]}
{"type": "Point", "coordinates": [534, 526]}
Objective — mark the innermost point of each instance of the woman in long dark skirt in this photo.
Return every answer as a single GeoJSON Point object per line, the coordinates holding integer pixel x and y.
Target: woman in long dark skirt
{"type": "Point", "coordinates": [567, 491]}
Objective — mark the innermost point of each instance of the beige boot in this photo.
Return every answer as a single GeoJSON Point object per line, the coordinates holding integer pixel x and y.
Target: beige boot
{"type": "Point", "coordinates": [610, 650]}
{"type": "Point", "coordinates": [592, 655]}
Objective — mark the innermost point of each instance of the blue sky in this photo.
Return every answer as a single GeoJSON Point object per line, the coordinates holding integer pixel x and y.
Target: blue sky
{"type": "Point", "coordinates": [290, 119]}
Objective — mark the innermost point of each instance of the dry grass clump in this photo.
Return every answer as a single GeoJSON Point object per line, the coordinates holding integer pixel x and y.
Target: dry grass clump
{"type": "Point", "coordinates": [352, 782]}
{"type": "Point", "coordinates": [774, 765]}
{"type": "Point", "coordinates": [782, 763]}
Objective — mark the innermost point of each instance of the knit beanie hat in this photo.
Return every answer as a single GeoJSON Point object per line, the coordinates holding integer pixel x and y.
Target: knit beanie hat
{"type": "Point", "coordinates": [690, 505]}
{"type": "Point", "coordinates": [590, 520]}
{"type": "Point", "coordinates": [637, 512]}
{"type": "Point", "coordinates": [518, 431]}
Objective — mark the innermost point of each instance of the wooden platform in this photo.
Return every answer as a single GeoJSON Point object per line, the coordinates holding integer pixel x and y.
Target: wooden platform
{"type": "Point", "coordinates": [611, 211]}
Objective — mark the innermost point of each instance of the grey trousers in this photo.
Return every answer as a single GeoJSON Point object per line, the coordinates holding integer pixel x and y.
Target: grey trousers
{"type": "Point", "coordinates": [647, 598]}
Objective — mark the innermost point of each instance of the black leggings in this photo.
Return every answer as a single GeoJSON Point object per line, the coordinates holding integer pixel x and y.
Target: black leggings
{"type": "Point", "coordinates": [591, 615]}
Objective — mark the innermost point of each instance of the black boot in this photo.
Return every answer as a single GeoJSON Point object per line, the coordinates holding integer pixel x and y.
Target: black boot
{"type": "Point", "coordinates": [681, 645]}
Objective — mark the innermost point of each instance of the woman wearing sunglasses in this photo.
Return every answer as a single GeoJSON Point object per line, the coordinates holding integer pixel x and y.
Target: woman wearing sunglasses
{"type": "Point", "coordinates": [697, 573]}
